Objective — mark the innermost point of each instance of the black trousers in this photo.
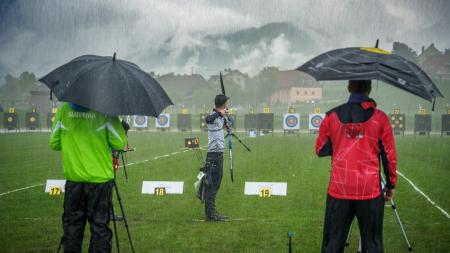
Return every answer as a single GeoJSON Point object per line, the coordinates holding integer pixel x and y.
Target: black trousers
{"type": "Point", "coordinates": [87, 202]}
{"type": "Point", "coordinates": [214, 173]}
{"type": "Point", "coordinates": [339, 215]}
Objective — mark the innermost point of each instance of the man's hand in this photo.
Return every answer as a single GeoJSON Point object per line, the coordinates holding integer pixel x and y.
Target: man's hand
{"type": "Point", "coordinates": [221, 111]}
{"type": "Point", "coordinates": [388, 194]}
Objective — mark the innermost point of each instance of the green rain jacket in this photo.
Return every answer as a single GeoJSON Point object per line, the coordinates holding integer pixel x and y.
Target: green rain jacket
{"type": "Point", "coordinates": [86, 140]}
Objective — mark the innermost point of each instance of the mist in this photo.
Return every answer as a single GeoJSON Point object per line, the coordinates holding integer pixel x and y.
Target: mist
{"type": "Point", "coordinates": [207, 36]}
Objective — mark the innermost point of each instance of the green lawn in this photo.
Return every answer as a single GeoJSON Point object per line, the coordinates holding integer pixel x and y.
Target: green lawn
{"type": "Point", "coordinates": [31, 219]}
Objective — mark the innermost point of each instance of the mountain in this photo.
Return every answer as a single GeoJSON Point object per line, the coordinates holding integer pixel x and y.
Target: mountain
{"type": "Point", "coordinates": [213, 52]}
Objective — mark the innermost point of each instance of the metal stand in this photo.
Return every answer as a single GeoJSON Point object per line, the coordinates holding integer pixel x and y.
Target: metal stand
{"type": "Point", "coordinates": [394, 208]}
{"type": "Point", "coordinates": [119, 199]}
{"type": "Point", "coordinates": [291, 234]}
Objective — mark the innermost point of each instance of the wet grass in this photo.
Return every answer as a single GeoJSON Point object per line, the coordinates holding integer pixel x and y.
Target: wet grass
{"type": "Point", "coordinates": [31, 219]}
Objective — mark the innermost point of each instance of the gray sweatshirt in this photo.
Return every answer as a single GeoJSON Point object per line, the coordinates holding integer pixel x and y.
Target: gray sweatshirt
{"type": "Point", "coordinates": [216, 136]}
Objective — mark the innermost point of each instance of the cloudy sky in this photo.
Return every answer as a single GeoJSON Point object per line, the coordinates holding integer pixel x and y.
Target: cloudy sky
{"type": "Point", "coordinates": [41, 35]}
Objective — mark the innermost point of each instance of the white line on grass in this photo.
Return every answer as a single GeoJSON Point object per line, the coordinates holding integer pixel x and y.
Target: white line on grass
{"type": "Point", "coordinates": [20, 189]}
{"type": "Point", "coordinates": [129, 164]}
{"type": "Point", "coordinates": [424, 195]}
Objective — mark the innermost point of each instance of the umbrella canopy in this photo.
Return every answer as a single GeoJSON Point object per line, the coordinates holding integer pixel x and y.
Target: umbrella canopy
{"type": "Point", "coordinates": [364, 63]}
{"type": "Point", "coordinates": [107, 85]}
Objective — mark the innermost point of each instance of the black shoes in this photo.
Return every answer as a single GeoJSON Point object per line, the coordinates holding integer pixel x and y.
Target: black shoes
{"type": "Point", "coordinates": [217, 217]}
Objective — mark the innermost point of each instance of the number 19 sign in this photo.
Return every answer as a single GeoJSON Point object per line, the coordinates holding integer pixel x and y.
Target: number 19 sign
{"type": "Point", "coordinates": [266, 189]}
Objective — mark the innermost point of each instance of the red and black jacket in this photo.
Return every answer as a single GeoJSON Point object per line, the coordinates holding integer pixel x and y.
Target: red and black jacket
{"type": "Point", "coordinates": [357, 135]}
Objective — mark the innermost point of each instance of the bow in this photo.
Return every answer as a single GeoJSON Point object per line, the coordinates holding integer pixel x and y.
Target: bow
{"type": "Point", "coordinates": [229, 125]}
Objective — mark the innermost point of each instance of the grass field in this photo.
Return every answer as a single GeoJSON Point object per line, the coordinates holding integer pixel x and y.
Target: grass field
{"type": "Point", "coordinates": [31, 219]}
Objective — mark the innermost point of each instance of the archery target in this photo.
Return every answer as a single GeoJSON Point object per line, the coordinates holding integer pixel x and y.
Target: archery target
{"type": "Point", "coordinates": [203, 125]}
{"type": "Point", "coordinates": [184, 122]}
{"type": "Point", "coordinates": [315, 120]}
{"type": "Point", "coordinates": [422, 123]}
{"type": "Point", "coordinates": [32, 120]}
{"type": "Point", "coordinates": [250, 121]}
{"type": "Point", "coordinates": [50, 119]}
{"type": "Point", "coordinates": [140, 121]}
{"type": "Point", "coordinates": [163, 121]}
{"type": "Point", "coordinates": [397, 122]}
{"type": "Point", "coordinates": [445, 123]}
{"type": "Point", "coordinates": [291, 121]}
{"type": "Point", "coordinates": [10, 121]}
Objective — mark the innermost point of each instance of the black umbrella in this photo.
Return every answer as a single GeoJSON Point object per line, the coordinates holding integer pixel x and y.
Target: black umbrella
{"type": "Point", "coordinates": [360, 63]}
{"type": "Point", "coordinates": [107, 85]}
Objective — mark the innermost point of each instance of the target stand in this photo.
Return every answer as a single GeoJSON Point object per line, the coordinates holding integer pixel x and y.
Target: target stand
{"type": "Point", "coordinates": [314, 121]}
{"type": "Point", "coordinates": [291, 123]}
{"type": "Point", "coordinates": [140, 122]}
{"type": "Point", "coordinates": [162, 122]}
{"type": "Point", "coordinates": [11, 120]}
{"type": "Point", "coordinates": [202, 123]}
{"type": "Point", "coordinates": [398, 122]}
{"type": "Point", "coordinates": [32, 120]}
{"type": "Point", "coordinates": [422, 123]}
{"type": "Point", "coordinates": [445, 129]}
{"type": "Point", "coordinates": [250, 122]}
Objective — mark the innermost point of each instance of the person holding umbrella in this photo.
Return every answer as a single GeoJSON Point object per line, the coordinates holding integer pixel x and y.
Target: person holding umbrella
{"type": "Point", "coordinates": [355, 134]}
{"type": "Point", "coordinates": [97, 90]}
{"type": "Point", "coordinates": [86, 138]}
{"type": "Point", "coordinates": [358, 135]}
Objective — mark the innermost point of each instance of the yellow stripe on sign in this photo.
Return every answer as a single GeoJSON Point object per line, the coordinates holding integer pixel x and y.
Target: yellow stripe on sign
{"type": "Point", "coordinates": [375, 50]}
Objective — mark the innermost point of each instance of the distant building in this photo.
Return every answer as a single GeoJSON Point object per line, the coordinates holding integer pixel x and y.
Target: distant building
{"type": "Point", "coordinates": [435, 63]}
{"type": "Point", "coordinates": [235, 76]}
{"type": "Point", "coordinates": [184, 83]}
{"type": "Point", "coordinates": [40, 99]}
{"type": "Point", "coordinates": [296, 87]}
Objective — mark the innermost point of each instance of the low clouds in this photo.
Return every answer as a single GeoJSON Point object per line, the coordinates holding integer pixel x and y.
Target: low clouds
{"type": "Point", "coordinates": [277, 52]}
{"type": "Point", "coordinates": [41, 35]}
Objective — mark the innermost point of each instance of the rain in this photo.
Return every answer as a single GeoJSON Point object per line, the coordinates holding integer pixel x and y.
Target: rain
{"type": "Point", "coordinates": [166, 61]}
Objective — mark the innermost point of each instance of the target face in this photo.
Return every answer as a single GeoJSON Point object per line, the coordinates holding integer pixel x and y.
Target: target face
{"type": "Point", "coordinates": [315, 120]}
{"type": "Point", "coordinates": [397, 122]}
{"type": "Point", "coordinates": [291, 121]}
{"type": "Point", "coordinates": [163, 121]}
{"type": "Point", "coordinates": [10, 119]}
{"type": "Point", "coordinates": [140, 121]}
{"type": "Point", "coordinates": [32, 119]}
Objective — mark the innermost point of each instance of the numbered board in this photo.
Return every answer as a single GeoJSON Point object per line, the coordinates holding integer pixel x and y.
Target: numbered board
{"type": "Point", "coordinates": [192, 142]}
{"type": "Point", "coordinates": [266, 189]}
{"type": "Point", "coordinates": [161, 188]}
{"type": "Point", "coordinates": [55, 186]}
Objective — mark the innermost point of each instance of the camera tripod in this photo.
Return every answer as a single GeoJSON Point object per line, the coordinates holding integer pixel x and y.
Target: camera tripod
{"type": "Point", "coordinates": [394, 208]}
{"type": "Point", "coordinates": [119, 199]}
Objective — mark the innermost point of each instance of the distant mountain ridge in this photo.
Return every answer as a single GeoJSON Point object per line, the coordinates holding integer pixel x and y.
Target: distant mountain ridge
{"type": "Point", "coordinates": [218, 51]}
